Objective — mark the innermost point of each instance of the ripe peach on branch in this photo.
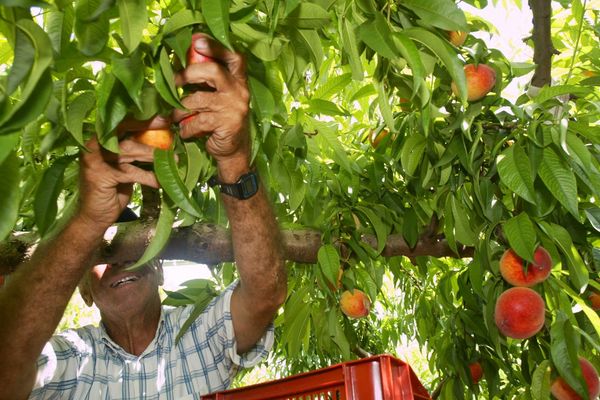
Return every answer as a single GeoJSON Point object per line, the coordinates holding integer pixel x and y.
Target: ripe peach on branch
{"type": "Point", "coordinates": [562, 391]}
{"type": "Point", "coordinates": [519, 313]}
{"type": "Point", "coordinates": [518, 272]}
{"type": "Point", "coordinates": [481, 79]}
{"type": "Point", "coordinates": [355, 304]}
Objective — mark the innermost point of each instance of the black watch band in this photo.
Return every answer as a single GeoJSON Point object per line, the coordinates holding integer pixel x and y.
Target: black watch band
{"type": "Point", "coordinates": [243, 189]}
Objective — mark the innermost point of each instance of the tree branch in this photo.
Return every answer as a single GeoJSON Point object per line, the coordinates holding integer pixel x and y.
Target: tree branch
{"type": "Point", "coordinates": [211, 244]}
{"type": "Point", "coordinates": [542, 42]}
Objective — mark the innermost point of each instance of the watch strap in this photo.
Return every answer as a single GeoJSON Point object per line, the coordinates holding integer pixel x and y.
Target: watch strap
{"type": "Point", "coordinates": [245, 187]}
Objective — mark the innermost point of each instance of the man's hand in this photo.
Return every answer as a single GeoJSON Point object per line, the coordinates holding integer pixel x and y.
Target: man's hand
{"type": "Point", "coordinates": [221, 113]}
{"type": "Point", "coordinates": [106, 180]}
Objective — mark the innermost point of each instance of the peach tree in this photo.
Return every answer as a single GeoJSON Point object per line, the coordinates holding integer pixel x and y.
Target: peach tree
{"type": "Point", "coordinates": [418, 222]}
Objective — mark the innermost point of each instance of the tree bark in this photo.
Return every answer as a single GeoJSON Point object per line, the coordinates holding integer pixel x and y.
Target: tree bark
{"type": "Point", "coordinates": [542, 42]}
{"type": "Point", "coordinates": [211, 244]}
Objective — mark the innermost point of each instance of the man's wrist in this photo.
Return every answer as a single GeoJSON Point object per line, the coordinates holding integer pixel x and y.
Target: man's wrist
{"type": "Point", "coordinates": [231, 169]}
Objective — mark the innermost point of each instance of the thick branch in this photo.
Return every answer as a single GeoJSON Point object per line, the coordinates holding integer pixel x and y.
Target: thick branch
{"type": "Point", "coordinates": [542, 42]}
{"type": "Point", "coordinates": [211, 244]}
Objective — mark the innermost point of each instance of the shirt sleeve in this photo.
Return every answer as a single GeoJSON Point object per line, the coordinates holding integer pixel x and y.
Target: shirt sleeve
{"type": "Point", "coordinates": [212, 334]}
{"type": "Point", "coordinates": [57, 365]}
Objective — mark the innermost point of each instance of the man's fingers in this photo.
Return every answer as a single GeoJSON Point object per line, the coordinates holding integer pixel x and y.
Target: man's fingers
{"type": "Point", "coordinates": [194, 103]}
{"type": "Point", "coordinates": [200, 124]}
{"type": "Point", "coordinates": [131, 174]}
{"type": "Point", "coordinates": [134, 151]}
{"type": "Point", "coordinates": [205, 45]}
{"type": "Point", "coordinates": [211, 73]}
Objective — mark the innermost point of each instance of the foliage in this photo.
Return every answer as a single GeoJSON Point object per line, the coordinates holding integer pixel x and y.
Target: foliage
{"type": "Point", "coordinates": [324, 74]}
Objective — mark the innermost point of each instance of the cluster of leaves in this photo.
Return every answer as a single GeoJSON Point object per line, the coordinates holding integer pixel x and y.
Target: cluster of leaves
{"type": "Point", "coordinates": [324, 75]}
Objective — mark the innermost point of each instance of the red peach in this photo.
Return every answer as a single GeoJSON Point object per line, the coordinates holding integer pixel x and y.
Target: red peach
{"type": "Point", "coordinates": [355, 304]}
{"type": "Point", "coordinates": [193, 57]}
{"type": "Point", "coordinates": [476, 372]}
{"type": "Point", "coordinates": [562, 391]}
{"type": "Point", "coordinates": [376, 138]}
{"type": "Point", "coordinates": [519, 313]}
{"type": "Point", "coordinates": [480, 80]}
{"type": "Point", "coordinates": [517, 272]}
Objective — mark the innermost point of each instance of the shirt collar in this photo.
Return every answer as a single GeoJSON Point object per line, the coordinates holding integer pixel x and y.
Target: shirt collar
{"type": "Point", "coordinates": [156, 343]}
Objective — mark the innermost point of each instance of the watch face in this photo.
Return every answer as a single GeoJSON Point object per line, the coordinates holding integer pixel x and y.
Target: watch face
{"type": "Point", "coordinates": [249, 185]}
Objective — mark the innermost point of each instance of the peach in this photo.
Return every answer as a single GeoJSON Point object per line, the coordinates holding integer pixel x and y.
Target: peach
{"type": "Point", "coordinates": [355, 304]}
{"type": "Point", "coordinates": [520, 273]}
{"type": "Point", "coordinates": [376, 138]}
{"type": "Point", "coordinates": [594, 299]}
{"type": "Point", "coordinates": [562, 391]}
{"type": "Point", "coordinates": [519, 313]}
{"type": "Point", "coordinates": [159, 138]}
{"type": "Point", "coordinates": [457, 38]}
{"type": "Point", "coordinates": [480, 81]}
{"type": "Point", "coordinates": [476, 372]}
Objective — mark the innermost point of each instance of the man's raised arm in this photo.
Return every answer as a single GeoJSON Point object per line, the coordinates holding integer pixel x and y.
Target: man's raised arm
{"type": "Point", "coordinates": [223, 113]}
{"type": "Point", "coordinates": [34, 299]}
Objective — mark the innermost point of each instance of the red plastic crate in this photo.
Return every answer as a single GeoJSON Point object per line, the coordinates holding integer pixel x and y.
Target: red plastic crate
{"type": "Point", "coordinates": [380, 377]}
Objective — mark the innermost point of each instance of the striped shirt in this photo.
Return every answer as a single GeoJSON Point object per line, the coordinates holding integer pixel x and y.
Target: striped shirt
{"type": "Point", "coordinates": [86, 364]}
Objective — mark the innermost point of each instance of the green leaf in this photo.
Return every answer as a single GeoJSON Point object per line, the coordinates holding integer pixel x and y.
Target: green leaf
{"type": "Point", "coordinates": [163, 88]}
{"type": "Point", "coordinates": [521, 236]}
{"type": "Point", "coordinates": [196, 164]}
{"type": "Point", "coordinates": [381, 229]}
{"type": "Point", "coordinates": [44, 206]}
{"type": "Point", "coordinates": [162, 232]}
{"type": "Point", "coordinates": [329, 260]}
{"type": "Point", "coordinates": [130, 71]}
{"type": "Point", "coordinates": [260, 44]}
{"type": "Point", "coordinates": [31, 107]}
{"type": "Point", "coordinates": [307, 16]}
{"type": "Point", "coordinates": [312, 42]}
{"type": "Point", "coordinates": [8, 143]}
{"type": "Point", "coordinates": [578, 271]}
{"type": "Point", "coordinates": [23, 60]}
{"type": "Point", "coordinates": [333, 86]}
{"type": "Point", "coordinates": [350, 46]}
{"type": "Point", "coordinates": [550, 92]}
{"type": "Point", "coordinates": [462, 226]}
{"type": "Point", "coordinates": [412, 153]}
{"type": "Point", "coordinates": [540, 382]}
{"type": "Point", "coordinates": [564, 348]}
{"type": "Point", "coordinates": [326, 107]}
{"type": "Point", "coordinates": [169, 179]}
{"type": "Point", "coordinates": [202, 300]}
{"type": "Point", "coordinates": [411, 54]}
{"type": "Point", "coordinates": [92, 35]}
{"type": "Point", "coordinates": [517, 175]}
{"type": "Point", "coordinates": [181, 19]}
{"type": "Point", "coordinates": [78, 109]}
{"type": "Point", "coordinates": [592, 214]}
{"type": "Point", "coordinates": [216, 15]}
{"type": "Point", "coordinates": [167, 72]}
{"type": "Point", "coordinates": [559, 180]}
{"type": "Point", "coordinates": [329, 140]}
{"type": "Point", "coordinates": [378, 35]}
{"type": "Point", "coordinates": [445, 53]}
{"type": "Point", "coordinates": [443, 14]}
{"type": "Point", "coordinates": [10, 196]}
{"type": "Point", "coordinates": [262, 99]}
{"type": "Point", "coordinates": [134, 18]}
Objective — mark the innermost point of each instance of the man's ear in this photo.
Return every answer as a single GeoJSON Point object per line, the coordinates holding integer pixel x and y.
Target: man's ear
{"type": "Point", "coordinates": [84, 290]}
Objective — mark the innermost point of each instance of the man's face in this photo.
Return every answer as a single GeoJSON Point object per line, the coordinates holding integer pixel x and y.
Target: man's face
{"type": "Point", "coordinates": [118, 291]}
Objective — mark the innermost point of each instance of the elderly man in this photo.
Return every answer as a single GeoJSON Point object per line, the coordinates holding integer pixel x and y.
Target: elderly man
{"type": "Point", "coordinates": [133, 354]}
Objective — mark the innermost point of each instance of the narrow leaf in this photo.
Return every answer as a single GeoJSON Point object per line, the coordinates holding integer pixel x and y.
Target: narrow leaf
{"type": "Point", "coordinates": [134, 18]}
{"type": "Point", "coordinates": [378, 35]}
{"type": "Point", "coordinates": [517, 175]}
{"type": "Point", "coordinates": [329, 260]}
{"type": "Point", "coordinates": [216, 14]}
{"type": "Point", "coordinates": [443, 14]}
{"type": "Point", "coordinates": [10, 195]}
{"type": "Point", "coordinates": [521, 236]}
{"type": "Point", "coordinates": [559, 180]}
{"type": "Point", "coordinates": [164, 227]}
{"type": "Point", "coordinates": [168, 176]}
{"type": "Point", "coordinates": [78, 109]}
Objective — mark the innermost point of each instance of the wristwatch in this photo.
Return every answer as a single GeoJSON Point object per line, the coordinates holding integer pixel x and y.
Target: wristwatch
{"type": "Point", "coordinates": [243, 189]}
